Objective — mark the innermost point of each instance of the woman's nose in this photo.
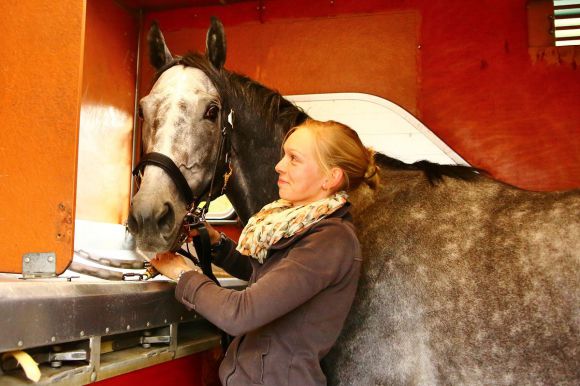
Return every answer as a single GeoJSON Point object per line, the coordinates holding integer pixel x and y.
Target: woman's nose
{"type": "Point", "coordinates": [279, 168]}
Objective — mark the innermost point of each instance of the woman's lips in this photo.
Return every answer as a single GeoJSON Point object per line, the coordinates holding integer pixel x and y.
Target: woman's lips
{"type": "Point", "coordinates": [281, 181]}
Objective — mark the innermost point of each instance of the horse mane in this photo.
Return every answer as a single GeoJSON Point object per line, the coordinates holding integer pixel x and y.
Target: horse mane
{"type": "Point", "coordinates": [278, 115]}
{"type": "Point", "coordinates": [246, 97]}
{"type": "Point", "coordinates": [433, 171]}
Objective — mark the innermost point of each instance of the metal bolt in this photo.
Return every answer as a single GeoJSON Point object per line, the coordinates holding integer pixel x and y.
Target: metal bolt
{"type": "Point", "coordinates": [55, 364]}
{"type": "Point", "coordinates": [20, 343]}
{"type": "Point", "coordinates": [82, 333]}
{"type": "Point", "coordinates": [53, 339]}
{"type": "Point", "coordinates": [107, 330]}
{"type": "Point", "coordinates": [165, 321]}
{"type": "Point", "coordinates": [50, 259]}
{"type": "Point", "coordinates": [128, 327]}
{"type": "Point", "coordinates": [148, 324]}
{"type": "Point", "coordinates": [27, 259]}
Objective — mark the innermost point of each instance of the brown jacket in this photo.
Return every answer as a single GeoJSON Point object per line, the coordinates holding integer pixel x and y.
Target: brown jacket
{"type": "Point", "coordinates": [293, 309]}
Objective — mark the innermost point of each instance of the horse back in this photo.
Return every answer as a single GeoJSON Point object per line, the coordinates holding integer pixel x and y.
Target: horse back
{"type": "Point", "coordinates": [465, 282]}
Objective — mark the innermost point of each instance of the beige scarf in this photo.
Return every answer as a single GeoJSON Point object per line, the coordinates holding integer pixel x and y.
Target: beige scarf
{"type": "Point", "coordinates": [280, 219]}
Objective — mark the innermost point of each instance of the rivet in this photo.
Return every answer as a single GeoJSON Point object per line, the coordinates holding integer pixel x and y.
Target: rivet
{"type": "Point", "coordinates": [128, 327]}
{"type": "Point", "coordinates": [53, 339]}
{"type": "Point", "coordinates": [20, 343]}
{"type": "Point", "coordinates": [50, 259]}
{"type": "Point", "coordinates": [82, 333]}
{"type": "Point", "coordinates": [107, 330]}
{"type": "Point", "coordinates": [27, 259]}
{"type": "Point", "coordinates": [164, 321]}
{"type": "Point", "coordinates": [148, 324]}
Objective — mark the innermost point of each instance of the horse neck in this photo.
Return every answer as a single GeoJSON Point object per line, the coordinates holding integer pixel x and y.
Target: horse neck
{"type": "Point", "coordinates": [261, 119]}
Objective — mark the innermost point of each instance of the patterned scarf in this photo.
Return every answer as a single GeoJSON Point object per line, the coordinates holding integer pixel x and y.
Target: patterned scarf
{"type": "Point", "coordinates": [280, 219]}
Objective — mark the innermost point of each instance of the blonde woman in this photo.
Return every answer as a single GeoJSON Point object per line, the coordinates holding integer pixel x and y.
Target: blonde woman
{"type": "Point", "coordinates": [300, 256]}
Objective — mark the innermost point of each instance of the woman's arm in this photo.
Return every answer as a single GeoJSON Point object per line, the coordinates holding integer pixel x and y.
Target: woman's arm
{"type": "Point", "coordinates": [231, 261]}
{"type": "Point", "coordinates": [315, 262]}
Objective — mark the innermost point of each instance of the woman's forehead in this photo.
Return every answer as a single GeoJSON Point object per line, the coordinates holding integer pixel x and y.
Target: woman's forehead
{"type": "Point", "coordinates": [302, 140]}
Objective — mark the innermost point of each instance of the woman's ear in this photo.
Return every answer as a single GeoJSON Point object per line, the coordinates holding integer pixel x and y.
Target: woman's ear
{"type": "Point", "coordinates": [335, 178]}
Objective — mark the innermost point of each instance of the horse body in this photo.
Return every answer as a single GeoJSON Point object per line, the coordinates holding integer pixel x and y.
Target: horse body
{"type": "Point", "coordinates": [465, 281]}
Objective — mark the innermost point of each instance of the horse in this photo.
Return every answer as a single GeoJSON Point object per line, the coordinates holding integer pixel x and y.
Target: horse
{"type": "Point", "coordinates": [465, 280]}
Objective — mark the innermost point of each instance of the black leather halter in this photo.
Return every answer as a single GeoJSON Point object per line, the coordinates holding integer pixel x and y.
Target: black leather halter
{"type": "Point", "coordinates": [195, 216]}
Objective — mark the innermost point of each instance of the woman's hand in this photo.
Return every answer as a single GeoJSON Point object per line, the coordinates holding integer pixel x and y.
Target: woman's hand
{"type": "Point", "coordinates": [214, 236]}
{"type": "Point", "coordinates": [170, 264]}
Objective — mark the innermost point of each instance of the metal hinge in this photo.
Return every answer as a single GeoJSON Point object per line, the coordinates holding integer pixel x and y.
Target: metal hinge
{"type": "Point", "coordinates": [38, 265]}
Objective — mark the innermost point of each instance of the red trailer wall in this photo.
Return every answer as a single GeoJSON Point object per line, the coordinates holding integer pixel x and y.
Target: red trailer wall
{"type": "Point", "coordinates": [463, 68]}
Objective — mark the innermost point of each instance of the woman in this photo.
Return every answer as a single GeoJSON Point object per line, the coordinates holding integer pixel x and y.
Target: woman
{"type": "Point", "coordinates": [300, 256]}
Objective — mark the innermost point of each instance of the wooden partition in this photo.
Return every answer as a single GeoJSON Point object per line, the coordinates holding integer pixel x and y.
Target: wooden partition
{"type": "Point", "coordinates": [40, 78]}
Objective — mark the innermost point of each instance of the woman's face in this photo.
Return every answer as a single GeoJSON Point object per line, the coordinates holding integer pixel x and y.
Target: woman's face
{"type": "Point", "coordinates": [300, 177]}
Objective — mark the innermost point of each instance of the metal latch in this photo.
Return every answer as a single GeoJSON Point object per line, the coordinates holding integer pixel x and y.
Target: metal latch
{"type": "Point", "coordinates": [55, 359]}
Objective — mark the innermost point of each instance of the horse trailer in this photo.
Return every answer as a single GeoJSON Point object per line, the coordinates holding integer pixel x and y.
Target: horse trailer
{"type": "Point", "coordinates": [483, 87]}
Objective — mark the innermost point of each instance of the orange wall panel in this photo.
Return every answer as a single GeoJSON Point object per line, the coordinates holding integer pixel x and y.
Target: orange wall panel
{"type": "Point", "coordinates": [315, 55]}
{"type": "Point", "coordinates": [40, 77]}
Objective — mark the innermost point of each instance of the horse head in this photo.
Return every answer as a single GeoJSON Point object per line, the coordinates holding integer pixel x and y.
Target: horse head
{"type": "Point", "coordinates": [180, 120]}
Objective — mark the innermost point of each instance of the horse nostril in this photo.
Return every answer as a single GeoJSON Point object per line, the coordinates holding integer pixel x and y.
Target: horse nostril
{"type": "Point", "coordinates": [132, 224]}
{"type": "Point", "coordinates": [166, 219]}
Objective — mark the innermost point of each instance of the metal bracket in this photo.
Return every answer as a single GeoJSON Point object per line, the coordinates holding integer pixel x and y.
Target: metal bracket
{"type": "Point", "coordinates": [38, 265]}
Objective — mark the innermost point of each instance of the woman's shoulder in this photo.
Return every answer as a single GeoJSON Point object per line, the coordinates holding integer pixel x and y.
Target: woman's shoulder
{"type": "Point", "coordinates": [335, 227]}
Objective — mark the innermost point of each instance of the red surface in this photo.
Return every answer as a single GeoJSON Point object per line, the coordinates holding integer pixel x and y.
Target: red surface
{"type": "Point", "coordinates": [194, 370]}
{"type": "Point", "coordinates": [474, 83]}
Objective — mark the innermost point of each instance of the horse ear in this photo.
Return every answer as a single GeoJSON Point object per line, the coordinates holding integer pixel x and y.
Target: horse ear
{"type": "Point", "coordinates": [159, 54]}
{"type": "Point", "coordinates": [215, 43]}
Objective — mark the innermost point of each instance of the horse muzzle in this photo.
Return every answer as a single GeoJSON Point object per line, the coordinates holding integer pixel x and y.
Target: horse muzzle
{"type": "Point", "coordinates": [155, 224]}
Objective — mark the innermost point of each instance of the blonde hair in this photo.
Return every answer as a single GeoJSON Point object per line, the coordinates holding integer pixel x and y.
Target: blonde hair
{"type": "Point", "coordinates": [337, 145]}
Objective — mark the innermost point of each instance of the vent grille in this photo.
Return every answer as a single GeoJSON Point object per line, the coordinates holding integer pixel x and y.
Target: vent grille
{"type": "Point", "coordinates": [567, 22]}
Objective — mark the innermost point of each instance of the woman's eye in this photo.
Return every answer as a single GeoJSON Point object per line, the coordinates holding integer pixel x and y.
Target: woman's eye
{"type": "Point", "coordinates": [211, 113]}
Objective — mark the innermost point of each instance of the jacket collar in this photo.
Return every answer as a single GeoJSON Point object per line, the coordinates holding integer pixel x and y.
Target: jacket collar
{"type": "Point", "coordinates": [342, 212]}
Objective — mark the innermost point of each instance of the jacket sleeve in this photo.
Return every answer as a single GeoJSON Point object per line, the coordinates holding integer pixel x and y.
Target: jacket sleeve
{"type": "Point", "coordinates": [317, 261]}
{"type": "Point", "coordinates": [232, 261]}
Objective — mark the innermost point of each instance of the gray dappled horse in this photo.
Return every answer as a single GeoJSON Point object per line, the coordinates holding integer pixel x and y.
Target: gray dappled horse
{"type": "Point", "coordinates": [466, 280]}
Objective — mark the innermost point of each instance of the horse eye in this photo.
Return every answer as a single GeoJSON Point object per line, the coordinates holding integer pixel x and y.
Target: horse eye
{"type": "Point", "coordinates": [140, 112]}
{"type": "Point", "coordinates": [211, 113]}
